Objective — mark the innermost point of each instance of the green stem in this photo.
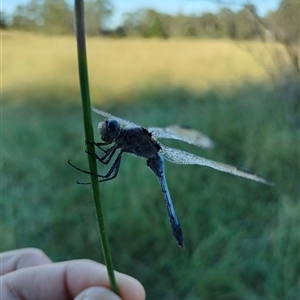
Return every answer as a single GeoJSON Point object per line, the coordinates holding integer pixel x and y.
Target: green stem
{"type": "Point", "coordinates": [89, 136]}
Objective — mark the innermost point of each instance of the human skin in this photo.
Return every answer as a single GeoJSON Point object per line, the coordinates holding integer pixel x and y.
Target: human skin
{"type": "Point", "coordinates": [30, 274]}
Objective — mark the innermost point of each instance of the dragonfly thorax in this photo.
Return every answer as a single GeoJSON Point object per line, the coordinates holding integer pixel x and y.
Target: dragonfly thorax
{"type": "Point", "coordinates": [109, 130]}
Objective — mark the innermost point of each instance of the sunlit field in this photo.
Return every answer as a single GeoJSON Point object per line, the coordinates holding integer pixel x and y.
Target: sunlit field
{"type": "Point", "coordinates": [117, 68]}
{"type": "Point", "coordinates": [241, 237]}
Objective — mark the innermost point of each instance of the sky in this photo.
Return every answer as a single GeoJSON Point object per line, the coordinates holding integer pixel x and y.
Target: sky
{"type": "Point", "coordinates": [174, 7]}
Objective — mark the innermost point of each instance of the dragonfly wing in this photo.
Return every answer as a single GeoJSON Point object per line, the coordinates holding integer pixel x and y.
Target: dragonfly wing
{"type": "Point", "coordinates": [123, 122]}
{"type": "Point", "coordinates": [182, 133]}
{"type": "Point", "coordinates": [184, 158]}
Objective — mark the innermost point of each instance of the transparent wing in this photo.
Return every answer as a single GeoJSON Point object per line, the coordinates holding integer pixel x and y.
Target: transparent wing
{"type": "Point", "coordinates": [182, 133]}
{"type": "Point", "coordinates": [123, 122]}
{"type": "Point", "coordinates": [184, 158]}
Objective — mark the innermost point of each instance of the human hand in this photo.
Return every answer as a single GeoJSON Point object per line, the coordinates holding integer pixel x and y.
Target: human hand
{"type": "Point", "coordinates": [30, 274]}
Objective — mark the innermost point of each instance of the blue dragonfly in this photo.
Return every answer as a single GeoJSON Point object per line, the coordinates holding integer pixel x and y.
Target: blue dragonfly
{"type": "Point", "coordinates": [128, 137]}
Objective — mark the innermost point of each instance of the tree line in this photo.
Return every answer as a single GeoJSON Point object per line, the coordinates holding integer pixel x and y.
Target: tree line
{"type": "Point", "coordinates": [57, 17]}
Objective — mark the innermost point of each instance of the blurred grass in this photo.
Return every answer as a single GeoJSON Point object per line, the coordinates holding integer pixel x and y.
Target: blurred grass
{"type": "Point", "coordinates": [241, 237]}
{"type": "Point", "coordinates": [117, 68]}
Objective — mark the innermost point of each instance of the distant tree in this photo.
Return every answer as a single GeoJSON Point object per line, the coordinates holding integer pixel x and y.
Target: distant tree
{"type": "Point", "coordinates": [153, 25]}
{"type": "Point", "coordinates": [96, 13]}
{"type": "Point", "coordinates": [29, 16]}
{"type": "Point", "coordinates": [131, 23]}
{"type": "Point", "coordinates": [57, 17]}
{"type": "Point", "coordinates": [211, 25]}
{"type": "Point", "coordinates": [190, 29]}
{"type": "Point", "coordinates": [247, 25]}
{"type": "Point", "coordinates": [228, 23]}
{"type": "Point", "coordinates": [146, 23]}
{"type": "Point", "coordinates": [179, 25]}
{"type": "Point", "coordinates": [3, 20]}
{"type": "Point", "coordinates": [286, 29]}
{"type": "Point", "coordinates": [118, 32]}
{"type": "Point", "coordinates": [283, 26]}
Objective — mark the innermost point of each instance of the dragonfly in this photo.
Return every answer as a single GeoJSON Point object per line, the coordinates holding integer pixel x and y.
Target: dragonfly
{"type": "Point", "coordinates": [124, 136]}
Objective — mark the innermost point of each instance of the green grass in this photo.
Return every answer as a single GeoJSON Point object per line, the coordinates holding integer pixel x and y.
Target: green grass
{"type": "Point", "coordinates": [241, 237]}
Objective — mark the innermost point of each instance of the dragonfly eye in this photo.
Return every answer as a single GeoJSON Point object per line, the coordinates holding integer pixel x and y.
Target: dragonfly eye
{"type": "Point", "coordinates": [109, 130]}
{"type": "Point", "coordinates": [113, 128]}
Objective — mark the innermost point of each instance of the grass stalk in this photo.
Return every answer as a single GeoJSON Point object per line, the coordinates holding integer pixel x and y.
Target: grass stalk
{"type": "Point", "coordinates": [89, 136]}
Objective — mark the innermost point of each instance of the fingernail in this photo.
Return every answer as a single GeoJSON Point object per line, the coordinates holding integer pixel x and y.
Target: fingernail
{"type": "Point", "coordinates": [97, 293]}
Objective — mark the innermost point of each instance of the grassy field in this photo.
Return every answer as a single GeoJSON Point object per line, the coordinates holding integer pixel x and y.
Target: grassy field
{"type": "Point", "coordinates": [241, 237]}
{"type": "Point", "coordinates": [120, 67]}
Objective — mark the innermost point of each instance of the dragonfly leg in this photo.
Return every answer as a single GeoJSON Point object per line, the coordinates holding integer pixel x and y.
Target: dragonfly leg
{"type": "Point", "coordinates": [106, 158]}
{"type": "Point", "coordinates": [114, 170]}
{"type": "Point", "coordinates": [97, 144]}
{"type": "Point", "coordinates": [156, 164]}
{"type": "Point", "coordinates": [111, 174]}
{"type": "Point", "coordinates": [84, 171]}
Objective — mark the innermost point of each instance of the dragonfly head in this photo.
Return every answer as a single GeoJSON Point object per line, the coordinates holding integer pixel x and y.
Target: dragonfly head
{"type": "Point", "coordinates": [109, 130]}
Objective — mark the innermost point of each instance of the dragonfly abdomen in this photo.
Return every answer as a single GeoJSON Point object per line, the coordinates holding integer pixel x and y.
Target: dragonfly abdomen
{"type": "Point", "coordinates": [156, 164]}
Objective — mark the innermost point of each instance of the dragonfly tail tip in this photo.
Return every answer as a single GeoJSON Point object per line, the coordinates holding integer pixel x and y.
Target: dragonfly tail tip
{"type": "Point", "coordinates": [180, 243]}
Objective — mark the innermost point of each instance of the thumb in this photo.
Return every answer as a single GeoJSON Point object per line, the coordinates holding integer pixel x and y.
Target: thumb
{"type": "Point", "coordinates": [97, 293]}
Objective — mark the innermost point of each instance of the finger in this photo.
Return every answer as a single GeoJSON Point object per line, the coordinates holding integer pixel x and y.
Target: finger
{"type": "Point", "coordinates": [97, 293]}
{"type": "Point", "coordinates": [22, 258]}
{"type": "Point", "coordinates": [65, 281]}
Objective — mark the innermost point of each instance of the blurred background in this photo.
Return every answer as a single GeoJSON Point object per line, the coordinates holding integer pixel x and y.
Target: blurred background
{"type": "Point", "coordinates": [228, 69]}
